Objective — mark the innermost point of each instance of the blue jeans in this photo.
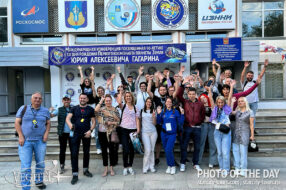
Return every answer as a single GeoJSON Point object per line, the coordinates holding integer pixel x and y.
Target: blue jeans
{"type": "Point", "coordinates": [240, 155]}
{"type": "Point", "coordinates": [207, 130]}
{"type": "Point", "coordinates": [254, 106]}
{"type": "Point", "coordinates": [168, 141]}
{"type": "Point", "coordinates": [223, 144]}
{"type": "Point", "coordinates": [96, 136]}
{"type": "Point", "coordinates": [38, 147]}
{"type": "Point", "coordinates": [195, 133]}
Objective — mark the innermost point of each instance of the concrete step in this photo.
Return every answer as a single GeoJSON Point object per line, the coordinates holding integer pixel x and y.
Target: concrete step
{"type": "Point", "coordinates": [270, 136]}
{"type": "Point", "coordinates": [271, 143]}
{"type": "Point", "coordinates": [270, 129]}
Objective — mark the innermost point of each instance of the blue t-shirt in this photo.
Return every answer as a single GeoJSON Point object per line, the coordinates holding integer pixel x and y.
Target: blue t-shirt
{"type": "Point", "coordinates": [41, 116]}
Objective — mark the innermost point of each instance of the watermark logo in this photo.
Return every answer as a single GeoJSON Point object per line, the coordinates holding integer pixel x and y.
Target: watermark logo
{"type": "Point", "coordinates": [47, 172]}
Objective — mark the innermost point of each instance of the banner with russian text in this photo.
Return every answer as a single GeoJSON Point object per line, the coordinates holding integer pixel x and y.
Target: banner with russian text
{"type": "Point", "coordinates": [216, 14]}
{"type": "Point", "coordinates": [117, 54]}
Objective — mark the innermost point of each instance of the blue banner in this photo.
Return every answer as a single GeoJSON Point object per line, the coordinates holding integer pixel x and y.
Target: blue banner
{"type": "Point", "coordinates": [226, 49]}
{"type": "Point", "coordinates": [117, 54]}
{"type": "Point", "coordinates": [30, 16]}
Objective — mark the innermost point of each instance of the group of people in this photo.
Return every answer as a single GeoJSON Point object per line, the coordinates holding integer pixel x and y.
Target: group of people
{"type": "Point", "coordinates": [161, 110]}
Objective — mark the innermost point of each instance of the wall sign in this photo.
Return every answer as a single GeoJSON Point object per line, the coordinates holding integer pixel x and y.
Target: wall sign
{"type": "Point", "coordinates": [170, 15]}
{"type": "Point", "coordinates": [226, 49]}
{"type": "Point", "coordinates": [122, 15]}
{"type": "Point", "coordinates": [30, 16]}
{"type": "Point", "coordinates": [216, 14]}
{"type": "Point", "coordinates": [119, 54]}
{"type": "Point", "coordinates": [76, 15]}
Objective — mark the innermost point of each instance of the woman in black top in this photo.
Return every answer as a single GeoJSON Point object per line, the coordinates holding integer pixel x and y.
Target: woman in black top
{"type": "Point", "coordinates": [87, 86]}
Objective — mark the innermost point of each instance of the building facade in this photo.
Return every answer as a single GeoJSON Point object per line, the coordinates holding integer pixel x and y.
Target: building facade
{"type": "Point", "coordinates": [24, 57]}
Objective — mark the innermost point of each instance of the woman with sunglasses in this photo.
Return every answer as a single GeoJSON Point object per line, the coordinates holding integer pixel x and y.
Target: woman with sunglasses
{"type": "Point", "coordinates": [87, 86]}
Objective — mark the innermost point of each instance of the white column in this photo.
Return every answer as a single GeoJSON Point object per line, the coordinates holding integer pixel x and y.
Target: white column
{"type": "Point", "coordinates": [56, 85]}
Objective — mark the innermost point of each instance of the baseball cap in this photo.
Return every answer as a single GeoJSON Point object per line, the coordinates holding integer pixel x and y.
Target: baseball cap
{"type": "Point", "coordinates": [129, 76]}
{"type": "Point", "coordinates": [67, 96]}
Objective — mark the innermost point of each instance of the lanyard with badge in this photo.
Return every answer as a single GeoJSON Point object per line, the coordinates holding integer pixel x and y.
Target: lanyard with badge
{"type": "Point", "coordinates": [35, 122]}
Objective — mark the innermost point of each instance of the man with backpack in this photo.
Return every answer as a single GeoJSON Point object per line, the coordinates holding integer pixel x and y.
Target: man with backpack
{"type": "Point", "coordinates": [33, 126]}
{"type": "Point", "coordinates": [252, 98]}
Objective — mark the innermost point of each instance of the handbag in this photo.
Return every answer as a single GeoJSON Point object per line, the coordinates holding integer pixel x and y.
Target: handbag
{"type": "Point", "coordinates": [136, 143]}
{"type": "Point", "coordinates": [223, 128]}
{"type": "Point", "coordinates": [252, 146]}
{"type": "Point", "coordinates": [114, 137]}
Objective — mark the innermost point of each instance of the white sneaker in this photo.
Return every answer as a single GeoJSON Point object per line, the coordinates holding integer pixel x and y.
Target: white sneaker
{"type": "Point", "coordinates": [144, 171]}
{"type": "Point", "coordinates": [98, 151]}
{"type": "Point", "coordinates": [168, 170]}
{"type": "Point", "coordinates": [173, 170]}
{"type": "Point", "coordinates": [153, 170]}
{"type": "Point", "coordinates": [211, 166]}
{"type": "Point", "coordinates": [198, 168]}
{"type": "Point", "coordinates": [242, 172]}
{"type": "Point", "coordinates": [131, 171]}
{"type": "Point", "coordinates": [125, 172]}
{"type": "Point", "coordinates": [236, 171]}
{"type": "Point", "coordinates": [182, 167]}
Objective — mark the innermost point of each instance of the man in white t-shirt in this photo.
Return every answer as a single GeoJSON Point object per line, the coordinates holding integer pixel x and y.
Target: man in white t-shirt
{"type": "Point", "coordinates": [252, 98]}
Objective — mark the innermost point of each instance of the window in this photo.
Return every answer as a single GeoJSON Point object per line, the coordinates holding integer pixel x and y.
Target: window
{"type": "Point", "coordinates": [151, 37]}
{"type": "Point", "coordinates": [204, 36]}
{"type": "Point", "coordinates": [3, 26]}
{"type": "Point", "coordinates": [96, 38]}
{"type": "Point", "coordinates": [42, 39]}
{"type": "Point", "coordinates": [262, 18]}
{"type": "Point", "coordinates": [273, 82]}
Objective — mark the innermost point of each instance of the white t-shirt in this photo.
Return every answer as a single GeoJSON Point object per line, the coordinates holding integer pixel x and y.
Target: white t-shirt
{"type": "Point", "coordinates": [147, 122]}
{"type": "Point", "coordinates": [141, 98]}
{"type": "Point", "coordinates": [253, 97]}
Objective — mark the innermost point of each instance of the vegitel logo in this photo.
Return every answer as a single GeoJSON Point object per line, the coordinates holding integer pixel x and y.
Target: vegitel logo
{"type": "Point", "coordinates": [216, 6]}
{"type": "Point", "coordinates": [31, 11]}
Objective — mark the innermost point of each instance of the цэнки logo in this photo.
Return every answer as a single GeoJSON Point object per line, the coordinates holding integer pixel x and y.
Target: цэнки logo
{"type": "Point", "coordinates": [216, 6]}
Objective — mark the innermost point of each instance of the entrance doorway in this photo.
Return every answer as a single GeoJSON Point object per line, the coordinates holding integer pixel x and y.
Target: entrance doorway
{"type": "Point", "coordinates": [15, 90]}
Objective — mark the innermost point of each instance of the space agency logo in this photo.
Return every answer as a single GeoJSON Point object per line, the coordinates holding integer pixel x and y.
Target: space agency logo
{"type": "Point", "coordinates": [122, 14]}
{"type": "Point", "coordinates": [216, 6]}
{"type": "Point", "coordinates": [58, 55]}
{"type": "Point", "coordinates": [31, 11]}
{"type": "Point", "coordinates": [170, 13]}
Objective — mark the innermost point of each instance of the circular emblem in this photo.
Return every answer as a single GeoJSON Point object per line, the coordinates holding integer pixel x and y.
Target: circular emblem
{"type": "Point", "coordinates": [106, 75]}
{"type": "Point", "coordinates": [134, 74]}
{"type": "Point", "coordinates": [151, 70]}
{"type": "Point", "coordinates": [122, 14]}
{"type": "Point", "coordinates": [70, 92]}
{"type": "Point", "coordinates": [87, 72]}
{"type": "Point", "coordinates": [170, 14]}
{"type": "Point", "coordinates": [58, 55]}
{"type": "Point", "coordinates": [70, 76]}
{"type": "Point", "coordinates": [216, 6]}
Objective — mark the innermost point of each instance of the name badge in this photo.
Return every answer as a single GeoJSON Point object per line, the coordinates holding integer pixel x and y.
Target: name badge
{"type": "Point", "coordinates": [34, 122]}
{"type": "Point", "coordinates": [82, 120]}
{"type": "Point", "coordinates": [168, 127]}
